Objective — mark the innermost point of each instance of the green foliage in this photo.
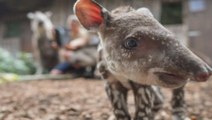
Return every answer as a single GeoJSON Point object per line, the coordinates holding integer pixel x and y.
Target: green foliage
{"type": "Point", "coordinates": [22, 64]}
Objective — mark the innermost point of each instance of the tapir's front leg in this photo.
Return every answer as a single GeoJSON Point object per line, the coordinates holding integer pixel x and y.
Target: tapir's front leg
{"type": "Point", "coordinates": [37, 56]}
{"type": "Point", "coordinates": [144, 100]}
{"type": "Point", "coordinates": [178, 104]}
{"type": "Point", "coordinates": [117, 94]}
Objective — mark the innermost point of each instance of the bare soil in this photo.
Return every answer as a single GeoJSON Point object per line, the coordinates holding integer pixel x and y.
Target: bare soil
{"type": "Point", "coordinates": [82, 99]}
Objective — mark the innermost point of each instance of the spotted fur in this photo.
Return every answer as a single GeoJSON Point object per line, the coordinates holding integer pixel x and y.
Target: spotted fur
{"type": "Point", "coordinates": [156, 58]}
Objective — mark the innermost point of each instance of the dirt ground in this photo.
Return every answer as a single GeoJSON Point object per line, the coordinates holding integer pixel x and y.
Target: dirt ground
{"type": "Point", "coordinates": [82, 99]}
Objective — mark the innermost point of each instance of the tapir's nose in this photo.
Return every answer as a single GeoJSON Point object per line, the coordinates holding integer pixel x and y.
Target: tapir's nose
{"type": "Point", "coordinates": [189, 63]}
{"type": "Point", "coordinates": [204, 74]}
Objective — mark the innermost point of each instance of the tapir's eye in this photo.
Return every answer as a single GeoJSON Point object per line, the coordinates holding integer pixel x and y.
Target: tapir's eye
{"type": "Point", "coordinates": [131, 43]}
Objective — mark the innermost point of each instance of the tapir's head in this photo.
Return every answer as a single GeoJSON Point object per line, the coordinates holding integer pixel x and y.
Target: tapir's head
{"type": "Point", "coordinates": [41, 23]}
{"type": "Point", "coordinates": [137, 47]}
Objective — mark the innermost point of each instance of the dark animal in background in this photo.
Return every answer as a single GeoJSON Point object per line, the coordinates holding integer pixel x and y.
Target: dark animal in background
{"type": "Point", "coordinates": [45, 56]}
{"type": "Point", "coordinates": [137, 52]}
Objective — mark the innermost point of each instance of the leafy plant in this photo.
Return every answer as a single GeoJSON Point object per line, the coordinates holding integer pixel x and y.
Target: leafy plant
{"type": "Point", "coordinates": [21, 64]}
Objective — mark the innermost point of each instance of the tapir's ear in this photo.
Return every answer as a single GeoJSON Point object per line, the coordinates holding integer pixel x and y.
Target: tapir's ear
{"type": "Point", "coordinates": [90, 14]}
{"type": "Point", "coordinates": [48, 14]}
{"type": "Point", "coordinates": [145, 11]}
{"type": "Point", "coordinates": [30, 15]}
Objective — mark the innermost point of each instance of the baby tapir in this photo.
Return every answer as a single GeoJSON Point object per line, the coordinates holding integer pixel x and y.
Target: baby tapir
{"type": "Point", "coordinates": [137, 52]}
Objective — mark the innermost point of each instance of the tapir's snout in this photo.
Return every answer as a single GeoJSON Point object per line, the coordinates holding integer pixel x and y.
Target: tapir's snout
{"type": "Point", "coordinates": [182, 65]}
{"type": "Point", "coordinates": [204, 74]}
{"type": "Point", "coordinates": [200, 70]}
